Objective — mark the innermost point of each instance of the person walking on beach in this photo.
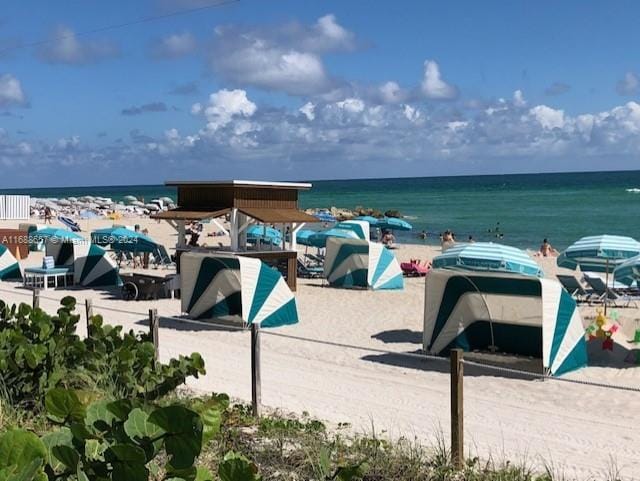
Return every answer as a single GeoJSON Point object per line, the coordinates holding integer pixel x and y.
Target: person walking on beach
{"type": "Point", "coordinates": [47, 215]}
{"type": "Point", "coordinates": [546, 250]}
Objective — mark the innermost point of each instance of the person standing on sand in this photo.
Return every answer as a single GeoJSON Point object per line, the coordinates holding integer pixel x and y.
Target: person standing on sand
{"type": "Point", "coordinates": [546, 250]}
{"type": "Point", "coordinates": [47, 215]}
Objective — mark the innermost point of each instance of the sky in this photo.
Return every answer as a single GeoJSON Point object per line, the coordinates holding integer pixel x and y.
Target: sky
{"type": "Point", "coordinates": [121, 92]}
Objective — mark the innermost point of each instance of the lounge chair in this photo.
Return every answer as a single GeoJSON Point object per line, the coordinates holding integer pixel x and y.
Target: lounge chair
{"type": "Point", "coordinates": [308, 272]}
{"type": "Point", "coordinates": [161, 257]}
{"type": "Point", "coordinates": [414, 268]}
{"type": "Point", "coordinates": [608, 295]}
{"type": "Point", "coordinates": [573, 287]}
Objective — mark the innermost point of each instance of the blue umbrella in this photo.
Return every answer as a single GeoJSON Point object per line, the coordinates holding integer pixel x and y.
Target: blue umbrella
{"type": "Point", "coordinates": [601, 253]}
{"type": "Point", "coordinates": [393, 223]}
{"type": "Point", "coordinates": [487, 256]}
{"type": "Point", "coordinates": [628, 272]}
{"type": "Point", "coordinates": [56, 235]}
{"type": "Point", "coordinates": [122, 239]}
{"type": "Point", "coordinates": [302, 236]}
{"type": "Point", "coordinates": [324, 216]}
{"type": "Point", "coordinates": [319, 239]}
{"type": "Point", "coordinates": [373, 221]}
{"type": "Point", "coordinates": [264, 234]}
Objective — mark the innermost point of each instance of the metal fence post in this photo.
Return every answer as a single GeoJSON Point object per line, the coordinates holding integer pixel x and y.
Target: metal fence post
{"type": "Point", "coordinates": [88, 306]}
{"type": "Point", "coordinates": [457, 415]}
{"type": "Point", "coordinates": [256, 395]}
{"type": "Point", "coordinates": [36, 298]}
{"type": "Point", "coordinates": [153, 331]}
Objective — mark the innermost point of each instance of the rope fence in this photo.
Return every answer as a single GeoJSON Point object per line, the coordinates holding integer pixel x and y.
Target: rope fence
{"type": "Point", "coordinates": [456, 360]}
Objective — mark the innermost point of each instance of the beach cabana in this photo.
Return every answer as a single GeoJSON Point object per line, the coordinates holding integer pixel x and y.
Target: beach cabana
{"type": "Point", "coordinates": [218, 285]}
{"type": "Point", "coordinates": [487, 256]}
{"type": "Point", "coordinates": [360, 227]}
{"type": "Point", "coordinates": [121, 239]}
{"type": "Point", "coordinates": [511, 313]}
{"type": "Point", "coordinates": [359, 263]}
{"type": "Point", "coordinates": [90, 264]}
{"type": "Point", "coordinates": [9, 267]}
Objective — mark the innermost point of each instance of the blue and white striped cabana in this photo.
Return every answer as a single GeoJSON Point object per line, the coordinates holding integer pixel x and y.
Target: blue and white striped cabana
{"type": "Point", "coordinates": [511, 313]}
{"type": "Point", "coordinates": [218, 285]}
{"type": "Point", "coordinates": [359, 263]}
{"type": "Point", "coordinates": [487, 256]}
{"type": "Point", "coordinates": [91, 264]}
{"type": "Point", "coordinates": [9, 267]}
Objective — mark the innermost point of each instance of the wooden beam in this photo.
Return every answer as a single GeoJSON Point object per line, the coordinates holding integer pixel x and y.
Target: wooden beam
{"type": "Point", "coordinates": [457, 414]}
{"type": "Point", "coordinates": [256, 391]}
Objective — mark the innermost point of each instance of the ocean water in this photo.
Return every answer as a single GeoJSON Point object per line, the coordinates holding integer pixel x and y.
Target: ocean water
{"type": "Point", "coordinates": [525, 208]}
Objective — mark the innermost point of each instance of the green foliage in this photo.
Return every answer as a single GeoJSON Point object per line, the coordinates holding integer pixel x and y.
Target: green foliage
{"type": "Point", "coordinates": [39, 352]}
{"type": "Point", "coordinates": [21, 456]}
{"type": "Point", "coordinates": [235, 467]}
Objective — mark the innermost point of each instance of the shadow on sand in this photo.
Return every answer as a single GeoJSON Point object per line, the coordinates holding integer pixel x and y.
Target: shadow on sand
{"type": "Point", "coordinates": [399, 336]}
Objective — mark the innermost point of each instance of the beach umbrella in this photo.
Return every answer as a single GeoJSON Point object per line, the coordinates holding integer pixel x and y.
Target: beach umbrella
{"type": "Point", "coordinates": [487, 256]}
{"type": "Point", "coordinates": [122, 239]}
{"type": "Point", "coordinates": [263, 234]}
{"type": "Point", "coordinates": [360, 227]}
{"type": "Point", "coordinates": [302, 236]}
{"type": "Point", "coordinates": [319, 239]}
{"type": "Point", "coordinates": [601, 253]}
{"type": "Point", "coordinates": [393, 223]}
{"type": "Point", "coordinates": [166, 200]}
{"type": "Point", "coordinates": [373, 221]}
{"type": "Point", "coordinates": [324, 216]}
{"type": "Point", "coordinates": [129, 198]}
{"type": "Point", "coordinates": [88, 214]}
{"type": "Point", "coordinates": [137, 203]}
{"type": "Point", "coordinates": [54, 234]}
{"type": "Point", "coordinates": [152, 207]}
{"type": "Point", "coordinates": [628, 272]}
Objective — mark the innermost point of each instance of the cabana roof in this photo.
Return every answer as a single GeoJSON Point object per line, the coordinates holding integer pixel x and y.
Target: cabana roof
{"type": "Point", "coordinates": [241, 183]}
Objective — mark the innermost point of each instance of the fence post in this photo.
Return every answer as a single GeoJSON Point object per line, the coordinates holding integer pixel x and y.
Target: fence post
{"type": "Point", "coordinates": [457, 415]}
{"type": "Point", "coordinates": [256, 395]}
{"type": "Point", "coordinates": [36, 298]}
{"type": "Point", "coordinates": [153, 331]}
{"type": "Point", "coordinates": [88, 306]}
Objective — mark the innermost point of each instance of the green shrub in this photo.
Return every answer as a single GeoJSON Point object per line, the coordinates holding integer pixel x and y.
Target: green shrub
{"type": "Point", "coordinates": [39, 352]}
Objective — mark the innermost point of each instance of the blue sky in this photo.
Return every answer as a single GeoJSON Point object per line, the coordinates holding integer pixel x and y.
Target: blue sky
{"type": "Point", "coordinates": [317, 89]}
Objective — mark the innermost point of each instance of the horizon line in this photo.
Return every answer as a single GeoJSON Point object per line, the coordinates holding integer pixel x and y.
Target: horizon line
{"type": "Point", "coordinates": [345, 179]}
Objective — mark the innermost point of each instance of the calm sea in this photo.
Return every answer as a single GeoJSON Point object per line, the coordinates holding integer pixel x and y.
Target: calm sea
{"type": "Point", "coordinates": [525, 208]}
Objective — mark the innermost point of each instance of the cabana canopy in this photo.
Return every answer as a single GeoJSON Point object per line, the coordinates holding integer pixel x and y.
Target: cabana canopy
{"type": "Point", "coordinates": [516, 314]}
{"type": "Point", "coordinates": [217, 285]}
{"type": "Point", "coordinates": [92, 266]}
{"type": "Point", "coordinates": [9, 267]}
{"type": "Point", "coordinates": [359, 263]}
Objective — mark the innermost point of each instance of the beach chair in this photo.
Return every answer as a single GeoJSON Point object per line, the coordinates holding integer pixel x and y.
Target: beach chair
{"type": "Point", "coordinates": [609, 295]}
{"type": "Point", "coordinates": [415, 268]}
{"type": "Point", "coordinates": [313, 261]}
{"type": "Point", "coordinates": [162, 258]}
{"type": "Point", "coordinates": [307, 272]}
{"type": "Point", "coordinates": [573, 287]}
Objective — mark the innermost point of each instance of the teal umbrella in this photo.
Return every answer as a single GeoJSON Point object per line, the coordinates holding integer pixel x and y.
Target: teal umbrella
{"type": "Point", "coordinates": [319, 239]}
{"type": "Point", "coordinates": [393, 223]}
{"type": "Point", "coordinates": [601, 253]}
{"type": "Point", "coordinates": [264, 234]}
{"type": "Point", "coordinates": [373, 221]}
{"type": "Point", "coordinates": [628, 272]}
{"type": "Point", "coordinates": [121, 239]}
{"type": "Point", "coordinates": [302, 236]}
{"type": "Point", "coordinates": [487, 256]}
{"type": "Point", "coordinates": [56, 235]}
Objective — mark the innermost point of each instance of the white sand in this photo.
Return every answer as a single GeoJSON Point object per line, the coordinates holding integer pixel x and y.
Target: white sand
{"type": "Point", "coordinates": [579, 429]}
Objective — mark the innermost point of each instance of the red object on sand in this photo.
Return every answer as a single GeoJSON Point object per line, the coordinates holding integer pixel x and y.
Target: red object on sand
{"type": "Point", "coordinates": [607, 344]}
{"type": "Point", "coordinates": [415, 268]}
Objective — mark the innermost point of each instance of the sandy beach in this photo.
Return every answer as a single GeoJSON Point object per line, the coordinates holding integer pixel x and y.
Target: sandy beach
{"type": "Point", "coordinates": [580, 430]}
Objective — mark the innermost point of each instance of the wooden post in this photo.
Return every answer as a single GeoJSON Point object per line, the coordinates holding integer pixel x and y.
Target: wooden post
{"type": "Point", "coordinates": [256, 394]}
{"type": "Point", "coordinates": [457, 415]}
{"type": "Point", "coordinates": [153, 331]}
{"type": "Point", "coordinates": [88, 306]}
{"type": "Point", "coordinates": [36, 298]}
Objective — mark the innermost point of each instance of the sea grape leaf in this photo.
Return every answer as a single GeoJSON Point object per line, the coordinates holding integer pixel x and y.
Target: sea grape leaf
{"type": "Point", "coordinates": [67, 456]}
{"type": "Point", "coordinates": [61, 437]}
{"type": "Point", "coordinates": [138, 427]}
{"type": "Point", "coordinates": [63, 405]}
{"type": "Point", "coordinates": [99, 417]}
{"type": "Point", "coordinates": [235, 467]}
{"type": "Point", "coordinates": [183, 429]}
{"type": "Point", "coordinates": [21, 448]}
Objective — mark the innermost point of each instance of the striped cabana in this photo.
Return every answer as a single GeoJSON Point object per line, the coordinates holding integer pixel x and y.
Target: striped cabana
{"type": "Point", "coordinates": [9, 267]}
{"type": "Point", "coordinates": [359, 263]}
{"type": "Point", "coordinates": [91, 264]}
{"type": "Point", "coordinates": [218, 285]}
{"type": "Point", "coordinates": [511, 313]}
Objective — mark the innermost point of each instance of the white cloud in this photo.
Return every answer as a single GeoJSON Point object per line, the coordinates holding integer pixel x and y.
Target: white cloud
{"type": "Point", "coordinates": [224, 105]}
{"type": "Point", "coordinates": [433, 86]}
{"type": "Point", "coordinates": [518, 99]}
{"type": "Point", "coordinates": [351, 105]}
{"type": "Point", "coordinates": [629, 85]}
{"type": "Point", "coordinates": [392, 93]}
{"type": "Point", "coordinates": [11, 92]}
{"type": "Point", "coordinates": [547, 117]}
{"type": "Point", "coordinates": [411, 113]}
{"type": "Point", "coordinates": [65, 48]}
{"type": "Point", "coordinates": [175, 45]}
{"type": "Point", "coordinates": [286, 58]}
{"type": "Point", "coordinates": [308, 110]}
